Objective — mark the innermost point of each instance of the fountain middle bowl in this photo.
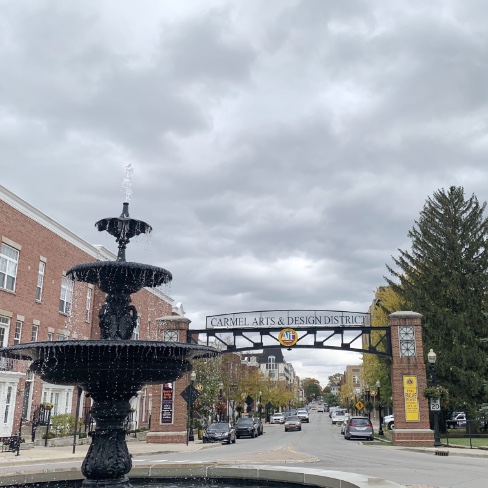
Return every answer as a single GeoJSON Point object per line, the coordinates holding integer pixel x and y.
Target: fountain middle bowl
{"type": "Point", "coordinates": [109, 364]}
{"type": "Point", "coordinates": [120, 276]}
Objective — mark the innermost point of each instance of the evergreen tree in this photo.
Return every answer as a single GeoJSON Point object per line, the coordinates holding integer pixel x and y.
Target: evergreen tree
{"type": "Point", "coordinates": [444, 277]}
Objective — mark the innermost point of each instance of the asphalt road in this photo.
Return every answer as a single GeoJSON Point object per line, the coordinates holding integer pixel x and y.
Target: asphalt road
{"type": "Point", "coordinates": [321, 445]}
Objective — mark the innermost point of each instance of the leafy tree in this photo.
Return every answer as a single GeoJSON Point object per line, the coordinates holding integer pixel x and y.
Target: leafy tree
{"type": "Point", "coordinates": [311, 388]}
{"type": "Point", "coordinates": [444, 277]}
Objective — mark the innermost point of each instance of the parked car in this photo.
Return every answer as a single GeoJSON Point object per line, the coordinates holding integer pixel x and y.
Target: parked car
{"type": "Point", "coordinates": [245, 426]}
{"type": "Point", "coordinates": [259, 425]}
{"type": "Point", "coordinates": [458, 419]}
{"type": "Point", "coordinates": [220, 432]}
{"type": "Point", "coordinates": [277, 418]}
{"type": "Point", "coordinates": [343, 425]}
{"type": "Point", "coordinates": [321, 408]}
{"type": "Point", "coordinates": [338, 416]}
{"type": "Point", "coordinates": [293, 423]}
{"type": "Point", "coordinates": [389, 421]}
{"type": "Point", "coordinates": [359, 427]}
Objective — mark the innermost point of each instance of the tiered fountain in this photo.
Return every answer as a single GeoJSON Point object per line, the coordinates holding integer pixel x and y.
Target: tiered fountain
{"type": "Point", "coordinates": [111, 370]}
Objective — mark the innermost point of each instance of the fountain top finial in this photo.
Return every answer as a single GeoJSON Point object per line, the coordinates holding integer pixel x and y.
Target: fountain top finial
{"type": "Point", "coordinates": [123, 228]}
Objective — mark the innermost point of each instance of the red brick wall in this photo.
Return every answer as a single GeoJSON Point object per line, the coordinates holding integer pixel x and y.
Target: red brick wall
{"type": "Point", "coordinates": [36, 240]}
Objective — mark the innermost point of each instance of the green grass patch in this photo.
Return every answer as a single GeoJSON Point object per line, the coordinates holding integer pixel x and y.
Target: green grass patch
{"type": "Point", "coordinates": [465, 441]}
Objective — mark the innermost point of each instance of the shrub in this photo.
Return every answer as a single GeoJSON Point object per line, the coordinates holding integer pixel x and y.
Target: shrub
{"type": "Point", "coordinates": [63, 424]}
{"type": "Point", "coordinates": [50, 435]}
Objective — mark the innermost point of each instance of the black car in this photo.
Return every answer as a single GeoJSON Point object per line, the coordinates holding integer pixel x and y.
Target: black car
{"type": "Point", "coordinates": [259, 425]}
{"type": "Point", "coordinates": [220, 432]}
{"type": "Point", "coordinates": [245, 426]}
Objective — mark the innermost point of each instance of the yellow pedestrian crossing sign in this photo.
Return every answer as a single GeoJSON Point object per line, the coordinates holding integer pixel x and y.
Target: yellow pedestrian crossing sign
{"type": "Point", "coordinates": [359, 405]}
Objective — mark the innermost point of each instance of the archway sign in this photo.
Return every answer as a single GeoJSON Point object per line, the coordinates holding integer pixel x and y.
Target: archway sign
{"type": "Point", "coordinates": [265, 329]}
{"type": "Point", "coordinates": [401, 340]}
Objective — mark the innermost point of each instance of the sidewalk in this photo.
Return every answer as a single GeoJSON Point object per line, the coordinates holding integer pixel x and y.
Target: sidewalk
{"type": "Point", "coordinates": [40, 454]}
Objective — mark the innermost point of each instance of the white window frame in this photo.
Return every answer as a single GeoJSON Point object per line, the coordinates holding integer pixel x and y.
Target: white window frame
{"type": "Point", "coordinates": [40, 280]}
{"type": "Point", "coordinates": [35, 333]}
{"type": "Point", "coordinates": [66, 297]}
{"type": "Point", "coordinates": [89, 293]}
{"type": "Point", "coordinates": [136, 331]}
{"type": "Point", "coordinates": [18, 332]}
{"type": "Point", "coordinates": [50, 336]}
{"type": "Point", "coordinates": [5, 327]}
{"type": "Point", "coordinates": [9, 260]}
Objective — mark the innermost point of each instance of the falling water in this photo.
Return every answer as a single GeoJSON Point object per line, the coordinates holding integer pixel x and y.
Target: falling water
{"type": "Point", "coordinates": [126, 185]}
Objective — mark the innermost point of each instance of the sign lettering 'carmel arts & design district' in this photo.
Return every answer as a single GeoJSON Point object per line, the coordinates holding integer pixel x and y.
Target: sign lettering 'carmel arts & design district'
{"type": "Point", "coordinates": [289, 318]}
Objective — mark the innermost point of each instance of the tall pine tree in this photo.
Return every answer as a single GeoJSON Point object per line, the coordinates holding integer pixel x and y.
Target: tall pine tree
{"type": "Point", "coordinates": [444, 277]}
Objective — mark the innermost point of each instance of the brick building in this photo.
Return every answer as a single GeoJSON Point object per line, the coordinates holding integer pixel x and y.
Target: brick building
{"type": "Point", "coordinates": [39, 303]}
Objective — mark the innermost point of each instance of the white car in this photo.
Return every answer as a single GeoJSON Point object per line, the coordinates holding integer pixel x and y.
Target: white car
{"type": "Point", "coordinates": [302, 414]}
{"type": "Point", "coordinates": [277, 418]}
{"type": "Point", "coordinates": [389, 421]}
{"type": "Point", "coordinates": [338, 416]}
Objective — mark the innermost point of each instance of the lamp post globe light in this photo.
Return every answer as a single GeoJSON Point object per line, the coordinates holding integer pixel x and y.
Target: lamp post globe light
{"type": "Point", "coordinates": [432, 357]}
{"type": "Point", "coordinates": [378, 396]}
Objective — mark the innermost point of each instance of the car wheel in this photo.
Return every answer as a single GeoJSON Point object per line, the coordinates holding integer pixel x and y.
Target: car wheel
{"type": "Point", "coordinates": [300, 428]}
{"type": "Point", "coordinates": [238, 436]}
{"type": "Point", "coordinates": [286, 430]}
{"type": "Point", "coordinates": [391, 426]}
{"type": "Point", "coordinates": [371, 438]}
{"type": "Point", "coordinates": [234, 441]}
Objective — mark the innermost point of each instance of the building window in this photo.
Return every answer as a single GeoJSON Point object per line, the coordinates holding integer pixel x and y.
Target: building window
{"type": "Point", "coordinates": [9, 258]}
{"type": "Point", "coordinates": [4, 327]}
{"type": "Point", "coordinates": [66, 300]}
{"type": "Point", "coordinates": [40, 280]}
{"type": "Point", "coordinates": [135, 332]}
{"type": "Point", "coordinates": [8, 399]}
{"type": "Point", "coordinates": [355, 379]}
{"type": "Point", "coordinates": [88, 303]}
{"type": "Point", "coordinates": [35, 333]}
{"type": "Point", "coordinates": [60, 337]}
{"type": "Point", "coordinates": [18, 332]}
{"type": "Point", "coordinates": [50, 336]}
{"type": "Point", "coordinates": [29, 379]}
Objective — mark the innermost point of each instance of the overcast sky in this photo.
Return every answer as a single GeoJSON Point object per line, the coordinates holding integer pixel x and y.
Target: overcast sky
{"type": "Point", "coordinates": [282, 149]}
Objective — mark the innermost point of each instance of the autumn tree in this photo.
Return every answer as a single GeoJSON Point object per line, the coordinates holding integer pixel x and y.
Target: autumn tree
{"type": "Point", "coordinates": [444, 277]}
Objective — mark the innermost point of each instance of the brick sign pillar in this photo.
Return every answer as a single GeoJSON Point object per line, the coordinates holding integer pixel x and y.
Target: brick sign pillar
{"type": "Point", "coordinates": [409, 380]}
{"type": "Point", "coordinates": [166, 429]}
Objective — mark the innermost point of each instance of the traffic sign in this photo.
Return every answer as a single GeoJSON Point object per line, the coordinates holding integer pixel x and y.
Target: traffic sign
{"type": "Point", "coordinates": [359, 405]}
{"type": "Point", "coordinates": [190, 394]}
{"type": "Point", "coordinates": [435, 404]}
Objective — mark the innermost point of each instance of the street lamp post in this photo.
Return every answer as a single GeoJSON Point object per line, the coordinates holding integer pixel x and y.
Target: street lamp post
{"type": "Point", "coordinates": [193, 377]}
{"type": "Point", "coordinates": [432, 357]}
{"type": "Point", "coordinates": [221, 397]}
{"type": "Point", "coordinates": [260, 408]}
{"type": "Point", "coordinates": [368, 398]}
{"type": "Point", "coordinates": [378, 395]}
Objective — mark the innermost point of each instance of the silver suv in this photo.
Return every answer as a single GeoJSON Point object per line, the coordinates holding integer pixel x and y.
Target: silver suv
{"type": "Point", "coordinates": [302, 414]}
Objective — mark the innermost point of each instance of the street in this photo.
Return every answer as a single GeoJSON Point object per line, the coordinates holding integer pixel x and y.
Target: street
{"type": "Point", "coordinates": [321, 445]}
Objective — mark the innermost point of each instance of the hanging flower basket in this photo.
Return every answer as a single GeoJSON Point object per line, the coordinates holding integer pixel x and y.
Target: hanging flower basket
{"type": "Point", "coordinates": [437, 392]}
{"type": "Point", "coordinates": [47, 406]}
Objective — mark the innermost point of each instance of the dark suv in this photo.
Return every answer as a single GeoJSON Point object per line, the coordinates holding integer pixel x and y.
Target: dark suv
{"type": "Point", "coordinates": [245, 426]}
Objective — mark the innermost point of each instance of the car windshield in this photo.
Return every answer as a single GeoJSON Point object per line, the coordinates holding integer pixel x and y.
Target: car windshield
{"type": "Point", "coordinates": [244, 421]}
{"type": "Point", "coordinates": [302, 411]}
{"type": "Point", "coordinates": [358, 421]}
{"type": "Point", "coordinates": [339, 412]}
{"type": "Point", "coordinates": [292, 418]}
{"type": "Point", "coordinates": [218, 427]}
